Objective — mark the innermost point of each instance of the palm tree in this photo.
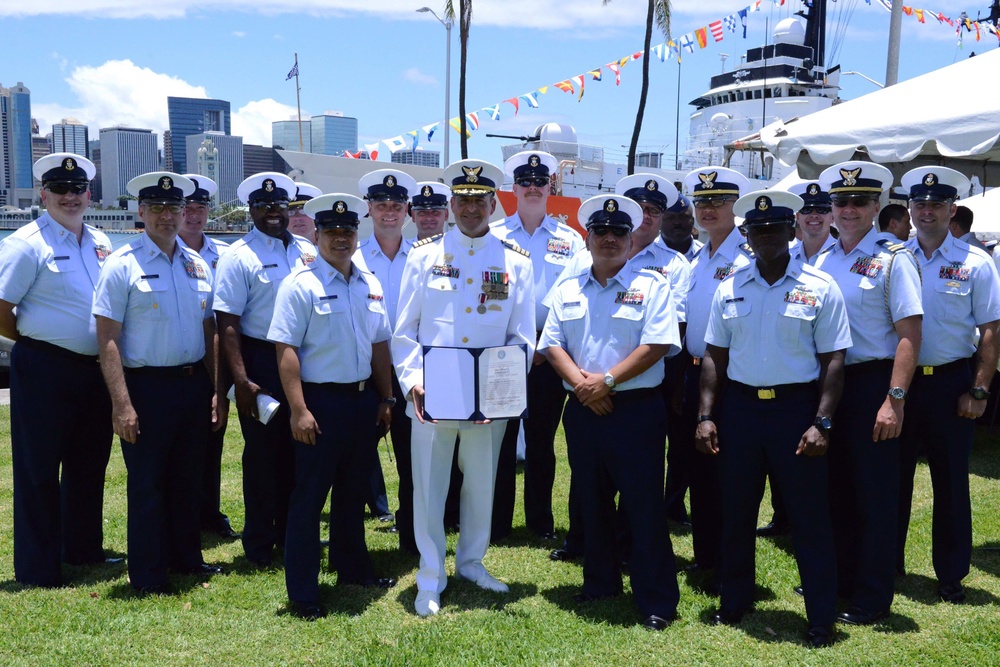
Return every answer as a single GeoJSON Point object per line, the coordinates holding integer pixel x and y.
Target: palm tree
{"type": "Point", "coordinates": [658, 12]}
{"type": "Point", "coordinates": [464, 22]}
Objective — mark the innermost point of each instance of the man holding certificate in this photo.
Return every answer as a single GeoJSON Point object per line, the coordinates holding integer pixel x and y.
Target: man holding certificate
{"type": "Point", "coordinates": [607, 330]}
{"type": "Point", "coordinates": [466, 308]}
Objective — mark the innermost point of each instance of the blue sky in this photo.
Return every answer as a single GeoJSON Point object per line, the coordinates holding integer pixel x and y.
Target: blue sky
{"type": "Point", "coordinates": [109, 62]}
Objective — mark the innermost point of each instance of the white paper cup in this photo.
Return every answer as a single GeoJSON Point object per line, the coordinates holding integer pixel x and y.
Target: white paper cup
{"type": "Point", "coordinates": [267, 405]}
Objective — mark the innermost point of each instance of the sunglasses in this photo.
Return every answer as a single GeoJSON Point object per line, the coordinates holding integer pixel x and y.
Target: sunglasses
{"type": "Point", "coordinates": [537, 182]}
{"type": "Point", "coordinates": [857, 202]}
{"type": "Point", "coordinates": [603, 231]}
{"type": "Point", "coordinates": [809, 210]}
{"type": "Point", "coordinates": [713, 203]}
{"type": "Point", "coordinates": [67, 188]}
{"type": "Point", "coordinates": [157, 209]}
{"type": "Point", "coordinates": [264, 205]}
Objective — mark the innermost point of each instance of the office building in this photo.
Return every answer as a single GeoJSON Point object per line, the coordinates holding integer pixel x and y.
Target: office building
{"type": "Point", "coordinates": [188, 116]}
{"type": "Point", "coordinates": [418, 157]}
{"type": "Point", "coordinates": [16, 182]}
{"type": "Point", "coordinates": [94, 146]}
{"type": "Point", "coordinates": [262, 158]}
{"type": "Point", "coordinates": [285, 134]}
{"type": "Point", "coordinates": [125, 153]}
{"type": "Point", "coordinates": [70, 136]}
{"type": "Point", "coordinates": [333, 133]}
{"type": "Point", "coordinates": [220, 157]}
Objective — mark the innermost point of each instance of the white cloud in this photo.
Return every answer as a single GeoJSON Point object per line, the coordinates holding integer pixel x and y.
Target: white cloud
{"type": "Point", "coordinates": [239, 33]}
{"type": "Point", "coordinates": [414, 75]}
{"type": "Point", "coordinates": [253, 121]}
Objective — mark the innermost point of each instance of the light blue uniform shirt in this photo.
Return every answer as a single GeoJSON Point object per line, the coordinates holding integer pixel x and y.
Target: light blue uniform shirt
{"type": "Point", "coordinates": [706, 275]}
{"type": "Point", "coordinates": [961, 289]}
{"type": "Point", "coordinates": [551, 247]}
{"type": "Point", "coordinates": [332, 321]}
{"type": "Point", "coordinates": [248, 275]}
{"type": "Point", "coordinates": [50, 278]}
{"type": "Point", "coordinates": [798, 251]}
{"type": "Point", "coordinates": [600, 326]}
{"type": "Point", "coordinates": [159, 301]}
{"type": "Point", "coordinates": [369, 257]}
{"type": "Point", "coordinates": [861, 276]}
{"type": "Point", "coordinates": [211, 250]}
{"type": "Point", "coordinates": [775, 332]}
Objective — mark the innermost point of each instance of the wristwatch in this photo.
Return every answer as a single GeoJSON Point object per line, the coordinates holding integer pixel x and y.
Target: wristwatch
{"type": "Point", "coordinates": [823, 423]}
{"type": "Point", "coordinates": [705, 418]}
{"type": "Point", "coordinates": [979, 393]}
{"type": "Point", "coordinates": [391, 400]}
{"type": "Point", "coordinates": [898, 393]}
{"type": "Point", "coordinates": [609, 380]}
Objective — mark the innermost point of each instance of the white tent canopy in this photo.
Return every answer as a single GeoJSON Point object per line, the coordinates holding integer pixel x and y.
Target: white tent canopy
{"type": "Point", "coordinates": [946, 117]}
{"type": "Point", "coordinates": [985, 211]}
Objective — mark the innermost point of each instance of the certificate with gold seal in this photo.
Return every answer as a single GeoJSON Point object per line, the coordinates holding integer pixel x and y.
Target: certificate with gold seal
{"type": "Point", "coordinates": [473, 384]}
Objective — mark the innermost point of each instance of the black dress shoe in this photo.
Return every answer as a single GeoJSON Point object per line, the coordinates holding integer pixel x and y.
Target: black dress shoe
{"type": "Point", "coordinates": [584, 598]}
{"type": "Point", "coordinates": [799, 591]}
{"type": "Point", "coordinates": [723, 617]}
{"type": "Point", "coordinates": [386, 518]}
{"type": "Point", "coordinates": [563, 555]}
{"type": "Point", "coordinates": [262, 563]}
{"type": "Point", "coordinates": [679, 519]}
{"type": "Point", "coordinates": [819, 636]}
{"type": "Point", "coordinates": [307, 611]}
{"type": "Point", "coordinates": [654, 622]}
{"type": "Point", "coordinates": [953, 592]}
{"type": "Point", "coordinates": [859, 616]}
{"type": "Point", "coordinates": [158, 589]}
{"type": "Point", "coordinates": [114, 560]}
{"type": "Point", "coordinates": [547, 536]}
{"type": "Point", "coordinates": [204, 568]}
{"type": "Point", "coordinates": [773, 530]}
{"type": "Point", "coordinates": [380, 582]}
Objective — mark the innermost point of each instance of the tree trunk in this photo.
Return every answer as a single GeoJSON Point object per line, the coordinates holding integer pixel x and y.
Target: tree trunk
{"type": "Point", "coordinates": [645, 89]}
{"type": "Point", "coordinates": [463, 28]}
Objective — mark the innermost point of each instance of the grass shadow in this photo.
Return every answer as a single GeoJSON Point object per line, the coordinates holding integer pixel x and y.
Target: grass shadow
{"type": "Point", "coordinates": [619, 611]}
{"type": "Point", "coordinates": [177, 585]}
{"type": "Point", "coordinates": [897, 624]}
{"type": "Point", "coordinates": [211, 540]}
{"type": "Point", "coordinates": [986, 557]}
{"type": "Point", "coordinates": [349, 600]}
{"type": "Point", "coordinates": [923, 589]}
{"type": "Point", "coordinates": [466, 596]}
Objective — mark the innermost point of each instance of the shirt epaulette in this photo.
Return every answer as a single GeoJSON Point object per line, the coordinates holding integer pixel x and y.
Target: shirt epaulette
{"type": "Point", "coordinates": [429, 239]}
{"type": "Point", "coordinates": [747, 249]}
{"type": "Point", "coordinates": [890, 246]}
{"type": "Point", "coordinates": [511, 246]}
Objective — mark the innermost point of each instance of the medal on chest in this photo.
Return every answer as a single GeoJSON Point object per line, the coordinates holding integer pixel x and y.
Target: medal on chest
{"type": "Point", "coordinates": [954, 271]}
{"type": "Point", "coordinates": [496, 285]}
{"type": "Point", "coordinates": [662, 270]}
{"type": "Point", "coordinates": [194, 270]}
{"type": "Point", "coordinates": [560, 247]}
{"type": "Point", "coordinates": [725, 271]}
{"type": "Point", "coordinates": [869, 267]}
{"type": "Point", "coordinates": [307, 258]}
{"type": "Point", "coordinates": [102, 251]}
{"type": "Point", "coordinates": [631, 297]}
{"type": "Point", "coordinates": [801, 295]}
{"type": "Point", "coordinates": [444, 270]}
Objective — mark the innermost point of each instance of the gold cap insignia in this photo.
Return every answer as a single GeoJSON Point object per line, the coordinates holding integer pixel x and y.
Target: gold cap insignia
{"type": "Point", "coordinates": [390, 181]}
{"type": "Point", "coordinates": [166, 182]}
{"type": "Point", "coordinates": [708, 180]}
{"type": "Point", "coordinates": [69, 164]}
{"type": "Point", "coordinates": [611, 206]}
{"type": "Point", "coordinates": [472, 174]}
{"type": "Point", "coordinates": [763, 203]}
{"type": "Point", "coordinates": [850, 177]}
{"type": "Point", "coordinates": [812, 190]}
{"type": "Point", "coordinates": [340, 207]}
{"type": "Point", "coordinates": [930, 180]}
{"type": "Point", "coordinates": [533, 161]}
{"type": "Point", "coordinates": [651, 185]}
{"type": "Point", "coordinates": [427, 191]}
{"type": "Point", "coordinates": [268, 185]}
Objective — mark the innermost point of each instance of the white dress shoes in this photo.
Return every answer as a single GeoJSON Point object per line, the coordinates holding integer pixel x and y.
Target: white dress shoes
{"type": "Point", "coordinates": [487, 582]}
{"type": "Point", "coordinates": [428, 603]}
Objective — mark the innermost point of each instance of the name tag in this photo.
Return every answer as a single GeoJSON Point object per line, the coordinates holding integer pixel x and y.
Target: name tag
{"type": "Point", "coordinates": [61, 257]}
{"type": "Point", "coordinates": [735, 299]}
{"type": "Point", "coordinates": [328, 297]}
{"type": "Point", "coordinates": [270, 266]}
{"type": "Point", "coordinates": [150, 276]}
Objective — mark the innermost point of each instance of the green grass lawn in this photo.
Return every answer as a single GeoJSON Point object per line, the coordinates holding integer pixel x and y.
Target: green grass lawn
{"type": "Point", "coordinates": [240, 619]}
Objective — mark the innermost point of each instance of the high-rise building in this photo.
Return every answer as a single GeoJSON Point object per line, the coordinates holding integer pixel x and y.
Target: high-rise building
{"type": "Point", "coordinates": [333, 133]}
{"type": "Point", "coordinates": [262, 158]}
{"type": "Point", "coordinates": [168, 151]}
{"type": "Point", "coordinates": [125, 153]}
{"type": "Point", "coordinates": [70, 136]}
{"type": "Point", "coordinates": [15, 145]}
{"type": "Point", "coordinates": [220, 157]}
{"type": "Point", "coordinates": [418, 157]}
{"type": "Point", "coordinates": [187, 116]}
{"type": "Point", "coordinates": [285, 134]}
{"type": "Point", "coordinates": [94, 146]}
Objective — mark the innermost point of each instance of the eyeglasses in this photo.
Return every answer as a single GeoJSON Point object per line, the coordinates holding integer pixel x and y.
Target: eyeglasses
{"type": "Point", "coordinates": [713, 203]}
{"type": "Point", "coordinates": [857, 202]}
{"type": "Point", "coordinates": [537, 182]}
{"type": "Point", "coordinates": [157, 209]}
{"type": "Point", "coordinates": [67, 188]}
{"type": "Point", "coordinates": [809, 210]}
{"type": "Point", "coordinates": [603, 231]}
{"type": "Point", "coordinates": [264, 205]}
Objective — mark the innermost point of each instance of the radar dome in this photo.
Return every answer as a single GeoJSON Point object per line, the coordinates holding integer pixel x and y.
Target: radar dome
{"type": "Point", "coordinates": [789, 31]}
{"type": "Point", "coordinates": [556, 132]}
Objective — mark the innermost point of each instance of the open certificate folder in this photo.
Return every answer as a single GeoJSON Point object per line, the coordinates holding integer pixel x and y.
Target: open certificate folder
{"type": "Point", "coordinates": [472, 384]}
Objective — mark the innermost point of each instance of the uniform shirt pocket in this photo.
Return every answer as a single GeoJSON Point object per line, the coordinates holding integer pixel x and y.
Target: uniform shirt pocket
{"type": "Point", "coordinates": [440, 296]}
{"type": "Point", "coordinates": [795, 323]}
{"type": "Point", "coordinates": [62, 269]}
{"type": "Point", "coordinates": [954, 297]}
{"type": "Point", "coordinates": [626, 326]}
{"type": "Point", "coordinates": [152, 299]}
{"type": "Point", "coordinates": [327, 319]}
{"type": "Point", "coordinates": [736, 315]}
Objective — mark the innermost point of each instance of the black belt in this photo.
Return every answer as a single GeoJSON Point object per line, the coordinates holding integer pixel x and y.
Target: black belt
{"type": "Point", "coordinates": [943, 368]}
{"type": "Point", "coordinates": [344, 387]}
{"type": "Point", "coordinates": [874, 366]}
{"type": "Point", "coordinates": [187, 370]}
{"type": "Point", "coordinates": [251, 342]}
{"type": "Point", "coordinates": [777, 392]}
{"type": "Point", "coordinates": [42, 346]}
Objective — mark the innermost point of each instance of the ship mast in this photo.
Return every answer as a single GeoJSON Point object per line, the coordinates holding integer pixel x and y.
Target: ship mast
{"type": "Point", "coordinates": [816, 32]}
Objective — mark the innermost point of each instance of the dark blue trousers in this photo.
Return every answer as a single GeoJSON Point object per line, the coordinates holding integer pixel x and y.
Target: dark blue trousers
{"type": "Point", "coordinates": [341, 458]}
{"type": "Point", "coordinates": [624, 451]}
{"type": "Point", "coordinates": [399, 431]}
{"type": "Point", "coordinates": [211, 481]}
{"type": "Point", "coordinates": [60, 422]}
{"type": "Point", "coordinates": [932, 423]}
{"type": "Point", "coordinates": [268, 459]}
{"type": "Point", "coordinates": [164, 472]}
{"type": "Point", "coordinates": [864, 490]}
{"type": "Point", "coordinates": [757, 438]}
{"type": "Point", "coordinates": [706, 493]}
{"type": "Point", "coordinates": [679, 458]}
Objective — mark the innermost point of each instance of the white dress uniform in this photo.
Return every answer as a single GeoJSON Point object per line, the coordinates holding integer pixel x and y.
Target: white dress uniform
{"type": "Point", "coordinates": [442, 304]}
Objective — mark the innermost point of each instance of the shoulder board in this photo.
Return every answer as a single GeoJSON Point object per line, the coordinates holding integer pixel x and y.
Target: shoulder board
{"type": "Point", "coordinates": [745, 247]}
{"type": "Point", "coordinates": [511, 246]}
{"type": "Point", "coordinates": [429, 239]}
{"type": "Point", "coordinates": [891, 246]}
